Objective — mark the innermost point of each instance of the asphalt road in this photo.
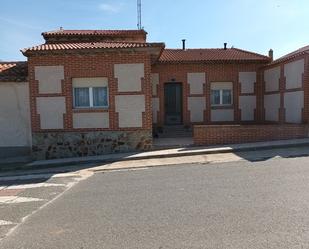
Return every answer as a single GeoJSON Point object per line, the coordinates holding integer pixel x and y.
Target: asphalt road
{"type": "Point", "coordinates": [237, 205]}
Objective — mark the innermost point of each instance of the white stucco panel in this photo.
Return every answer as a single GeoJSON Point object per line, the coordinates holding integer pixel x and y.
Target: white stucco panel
{"type": "Point", "coordinates": [220, 115]}
{"type": "Point", "coordinates": [293, 73]}
{"type": "Point", "coordinates": [51, 110]}
{"type": "Point", "coordinates": [129, 77]}
{"type": "Point", "coordinates": [90, 82]}
{"type": "Point", "coordinates": [247, 80]}
{"type": "Point", "coordinates": [15, 129]}
{"type": "Point", "coordinates": [221, 85]}
{"type": "Point", "coordinates": [272, 105]}
{"type": "Point", "coordinates": [196, 106]}
{"type": "Point", "coordinates": [130, 109]}
{"type": "Point", "coordinates": [49, 78]}
{"type": "Point", "coordinates": [247, 105]}
{"type": "Point", "coordinates": [271, 78]}
{"type": "Point", "coordinates": [155, 109]}
{"type": "Point", "coordinates": [155, 83]}
{"type": "Point", "coordinates": [294, 104]}
{"type": "Point", "coordinates": [196, 82]}
{"type": "Point", "coordinates": [91, 120]}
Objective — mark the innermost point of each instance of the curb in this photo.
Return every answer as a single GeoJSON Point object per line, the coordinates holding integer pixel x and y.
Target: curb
{"type": "Point", "coordinates": [55, 165]}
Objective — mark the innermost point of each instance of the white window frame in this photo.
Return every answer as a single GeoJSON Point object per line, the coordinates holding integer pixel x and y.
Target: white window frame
{"type": "Point", "coordinates": [221, 96]}
{"type": "Point", "coordinates": [91, 98]}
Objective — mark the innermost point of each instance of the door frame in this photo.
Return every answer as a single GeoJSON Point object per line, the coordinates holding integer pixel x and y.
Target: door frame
{"type": "Point", "coordinates": [181, 101]}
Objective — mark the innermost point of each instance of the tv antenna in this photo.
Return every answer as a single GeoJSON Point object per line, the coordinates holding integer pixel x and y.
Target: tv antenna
{"type": "Point", "coordinates": [139, 14]}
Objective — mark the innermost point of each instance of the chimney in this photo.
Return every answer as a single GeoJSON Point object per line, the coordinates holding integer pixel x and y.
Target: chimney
{"type": "Point", "coordinates": [271, 54]}
{"type": "Point", "coordinates": [184, 44]}
{"type": "Point", "coordinates": [225, 44]}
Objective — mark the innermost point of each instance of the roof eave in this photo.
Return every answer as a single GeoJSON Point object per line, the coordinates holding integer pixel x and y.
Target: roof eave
{"type": "Point", "coordinates": [154, 46]}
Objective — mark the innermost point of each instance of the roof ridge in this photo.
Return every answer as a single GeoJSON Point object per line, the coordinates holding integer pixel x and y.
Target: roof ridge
{"type": "Point", "coordinates": [80, 31]}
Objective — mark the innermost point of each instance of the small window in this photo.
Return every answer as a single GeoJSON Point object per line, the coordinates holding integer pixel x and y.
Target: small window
{"type": "Point", "coordinates": [226, 97]}
{"type": "Point", "coordinates": [81, 97]}
{"type": "Point", "coordinates": [90, 97]}
{"type": "Point", "coordinates": [221, 97]}
{"type": "Point", "coordinates": [100, 96]}
{"type": "Point", "coordinates": [215, 97]}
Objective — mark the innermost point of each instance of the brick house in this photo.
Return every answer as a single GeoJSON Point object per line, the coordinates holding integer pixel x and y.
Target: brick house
{"type": "Point", "coordinates": [100, 91]}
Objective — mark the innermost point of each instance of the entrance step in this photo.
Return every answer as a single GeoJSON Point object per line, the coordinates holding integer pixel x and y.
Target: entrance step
{"type": "Point", "coordinates": [174, 131]}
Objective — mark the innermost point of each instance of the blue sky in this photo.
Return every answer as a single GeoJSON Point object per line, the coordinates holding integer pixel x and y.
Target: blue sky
{"type": "Point", "coordinates": [255, 25]}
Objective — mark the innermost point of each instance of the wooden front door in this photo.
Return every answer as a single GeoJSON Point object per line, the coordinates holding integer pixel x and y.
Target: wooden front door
{"type": "Point", "coordinates": [173, 103]}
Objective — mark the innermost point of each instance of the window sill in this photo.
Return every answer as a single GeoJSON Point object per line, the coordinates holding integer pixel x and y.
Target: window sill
{"type": "Point", "coordinates": [91, 109]}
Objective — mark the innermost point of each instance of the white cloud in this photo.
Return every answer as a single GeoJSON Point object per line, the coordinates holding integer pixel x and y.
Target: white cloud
{"type": "Point", "coordinates": [111, 8]}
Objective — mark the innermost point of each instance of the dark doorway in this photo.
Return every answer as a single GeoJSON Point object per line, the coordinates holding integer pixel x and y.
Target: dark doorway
{"type": "Point", "coordinates": [173, 103]}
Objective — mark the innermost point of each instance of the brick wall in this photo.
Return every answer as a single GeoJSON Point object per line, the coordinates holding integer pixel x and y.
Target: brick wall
{"type": "Point", "coordinates": [232, 134]}
{"type": "Point", "coordinates": [90, 65]}
{"type": "Point", "coordinates": [69, 141]}
{"type": "Point", "coordinates": [228, 72]}
{"type": "Point", "coordinates": [283, 88]}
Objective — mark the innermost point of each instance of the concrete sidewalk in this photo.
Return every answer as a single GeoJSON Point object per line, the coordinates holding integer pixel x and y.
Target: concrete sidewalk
{"type": "Point", "coordinates": [165, 153]}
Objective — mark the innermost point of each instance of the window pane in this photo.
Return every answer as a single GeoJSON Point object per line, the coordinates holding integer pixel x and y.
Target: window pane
{"type": "Point", "coordinates": [226, 97]}
{"type": "Point", "coordinates": [215, 97]}
{"type": "Point", "coordinates": [81, 96]}
{"type": "Point", "coordinates": [100, 96]}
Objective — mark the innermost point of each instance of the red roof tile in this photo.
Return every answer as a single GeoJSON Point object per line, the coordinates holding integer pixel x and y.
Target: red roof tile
{"type": "Point", "coordinates": [90, 45]}
{"type": "Point", "coordinates": [298, 52]}
{"type": "Point", "coordinates": [13, 71]}
{"type": "Point", "coordinates": [94, 32]}
{"type": "Point", "coordinates": [209, 55]}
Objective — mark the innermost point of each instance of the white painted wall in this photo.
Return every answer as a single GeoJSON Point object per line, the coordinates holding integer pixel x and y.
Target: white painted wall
{"type": "Point", "coordinates": [51, 110]}
{"type": "Point", "coordinates": [49, 78]}
{"type": "Point", "coordinates": [271, 78]}
{"type": "Point", "coordinates": [247, 80]}
{"type": "Point", "coordinates": [293, 73]}
{"type": "Point", "coordinates": [294, 104]}
{"type": "Point", "coordinates": [155, 109]}
{"type": "Point", "coordinates": [196, 82]}
{"type": "Point", "coordinates": [130, 109]}
{"type": "Point", "coordinates": [247, 105]}
{"type": "Point", "coordinates": [272, 105]}
{"type": "Point", "coordinates": [91, 120]}
{"type": "Point", "coordinates": [218, 115]}
{"type": "Point", "coordinates": [15, 127]}
{"type": "Point", "coordinates": [129, 77]}
{"type": "Point", "coordinates": [196, 106]}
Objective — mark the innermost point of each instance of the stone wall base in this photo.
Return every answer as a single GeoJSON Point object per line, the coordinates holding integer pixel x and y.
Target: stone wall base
{"type": "Point", "coordinates": [52, 145]}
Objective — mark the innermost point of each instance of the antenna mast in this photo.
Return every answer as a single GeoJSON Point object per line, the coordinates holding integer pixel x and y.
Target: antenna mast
{"type": "Point", "coordinates": [139, 14]}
